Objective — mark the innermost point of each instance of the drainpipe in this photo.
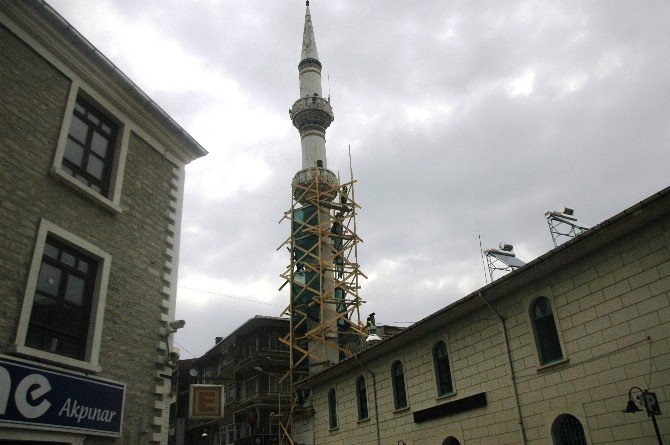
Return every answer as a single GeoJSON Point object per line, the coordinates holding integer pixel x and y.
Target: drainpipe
{"type": "Point", "coordinates": [511, 367]}
{"type": "Point", "coordinates": [374, 392]}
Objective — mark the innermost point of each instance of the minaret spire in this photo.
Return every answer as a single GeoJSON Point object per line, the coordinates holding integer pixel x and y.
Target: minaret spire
{"type": "Point", "coordinates": [311, 114]}
{"type": "Point", "coordinates": [308, 41]}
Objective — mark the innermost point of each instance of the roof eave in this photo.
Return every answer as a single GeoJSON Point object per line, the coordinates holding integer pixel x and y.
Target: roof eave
{"type": "Point", "coordinates": [624, 222]}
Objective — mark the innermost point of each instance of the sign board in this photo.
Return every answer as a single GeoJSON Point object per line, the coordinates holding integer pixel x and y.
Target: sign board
{"type": "Point", "coordinates": [651, 403]}
{"type": "Point", "coordinates": [36, 396]}
{"type": "Point", "coordinates": [205, 401]}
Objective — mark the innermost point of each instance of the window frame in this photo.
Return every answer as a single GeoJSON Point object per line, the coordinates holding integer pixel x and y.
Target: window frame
{"type": "Point", "coordinates": [95, 122]}
{"type": "Point", "coordinates": [332, 409]}
{"type": "Point", "coordinates": [397, 382]}
{"type": "Point", "coordinates": [97, 307]}
{"type": "Point", "coordinates": [539, 337]}
{"type": "Point", "coordinates": [65, 267]}
{"type": "Point", "coordinates": [112, 200]}
{"type": "Point", "coordinates": [438, 372]}
{"type": "Point", "coordinates": [362, 396]}
{"type": "Point", "coordinates": [251, 383]}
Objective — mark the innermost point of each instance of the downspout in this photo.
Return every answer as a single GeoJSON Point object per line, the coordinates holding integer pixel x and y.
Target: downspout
{"type": "Point", "coordinates": [374, 392]}
{"type": "Point", "coordinates": [511, 367]}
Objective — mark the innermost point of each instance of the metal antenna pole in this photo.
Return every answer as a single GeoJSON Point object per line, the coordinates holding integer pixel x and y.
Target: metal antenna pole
{"type": "Point", "coordinates": [481, 252]}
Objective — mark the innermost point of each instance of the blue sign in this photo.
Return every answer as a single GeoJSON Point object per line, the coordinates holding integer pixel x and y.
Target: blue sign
{"type": "Point", "coordinates": [31, 395]}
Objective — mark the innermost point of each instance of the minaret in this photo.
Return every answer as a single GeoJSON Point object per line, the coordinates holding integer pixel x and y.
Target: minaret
{"type": "Point", "coordinates": [311, 114]}
{"type": "Point", "coordinates": [323, 272]}
{"type": "Point", "coordinates": [314, 189]}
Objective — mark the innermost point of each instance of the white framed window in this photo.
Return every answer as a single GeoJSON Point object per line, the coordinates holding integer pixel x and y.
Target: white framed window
{"type": "Point", "coordinates": [92, 147]}
{"type": "Point", "coordinates": [64, 302]}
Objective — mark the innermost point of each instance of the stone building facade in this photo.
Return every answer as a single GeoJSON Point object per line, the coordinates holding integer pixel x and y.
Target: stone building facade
{"type": "Point", "coordinates": [91, 186]}
{"type": "Point", "coordinates": [249, 363]}
{"type": "Point", "coordinates": [545, 354]}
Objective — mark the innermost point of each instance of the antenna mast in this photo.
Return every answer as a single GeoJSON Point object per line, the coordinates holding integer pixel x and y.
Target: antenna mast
{"type": "Point", "coordinates": [481, 251]}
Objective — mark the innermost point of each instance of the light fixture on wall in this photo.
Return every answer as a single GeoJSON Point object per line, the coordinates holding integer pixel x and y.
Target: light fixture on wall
{"type": "Point", "coordinates": [172, 357]}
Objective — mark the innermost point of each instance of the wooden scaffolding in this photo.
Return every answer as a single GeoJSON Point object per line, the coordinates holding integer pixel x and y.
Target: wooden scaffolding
{"type": "Point", "coordinates": [323, 274]}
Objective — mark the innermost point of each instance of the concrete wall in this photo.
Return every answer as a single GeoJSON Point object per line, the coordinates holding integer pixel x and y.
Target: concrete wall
{"type": "Point", "coordinates": [33, 94]}
{"type": "Point", "coordinates": [613, 315]}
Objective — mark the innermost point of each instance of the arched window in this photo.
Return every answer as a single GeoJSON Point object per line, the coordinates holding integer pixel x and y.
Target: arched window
{"type": "Point", "coordinates": [451, 440]}
{"type": "Point", "coordinates": [442, 370]}
{"type": "Point", "coordinates": [362, 398]}
{"type": "Point", "coordinates": [567, 430]}
{"type": "Point", "coordinates": [398, 380]}
{"type": "Point", "coordinates": [546, 335]}
{"type": "Point", "coordinates": [332, 409]}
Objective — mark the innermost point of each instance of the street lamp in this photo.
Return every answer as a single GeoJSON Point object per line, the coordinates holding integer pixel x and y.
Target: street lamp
{"type": "Point", "coordinates": [642, 398]}
{"type": "Point", "coordinates": [279, 414]}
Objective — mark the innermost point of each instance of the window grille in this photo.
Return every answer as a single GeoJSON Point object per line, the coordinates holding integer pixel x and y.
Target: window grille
{"type": "Point", "coordinates": [568, 430]}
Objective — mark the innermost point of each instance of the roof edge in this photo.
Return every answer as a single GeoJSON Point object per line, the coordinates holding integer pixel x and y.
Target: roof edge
{"type": "Point", "coordinates": [475, 298]}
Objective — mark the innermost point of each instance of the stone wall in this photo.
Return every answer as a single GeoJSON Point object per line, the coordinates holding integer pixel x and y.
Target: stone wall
{"type": "Point", "coordinates": [33, 97]}
{"type": "Point", "coordinates": [613, 315]}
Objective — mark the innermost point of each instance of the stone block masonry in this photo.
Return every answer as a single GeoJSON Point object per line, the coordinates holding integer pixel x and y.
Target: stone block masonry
{"type": "Point", "coordinates": [140, 238]}
{"type": "Point", "coordinates": [612, 313]}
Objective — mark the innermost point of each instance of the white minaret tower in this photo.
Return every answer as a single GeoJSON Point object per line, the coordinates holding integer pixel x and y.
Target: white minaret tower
{"type": "Point", "coordinates": [314, 189]}
{"type": "Point", "coordinates": [311, 114]}
{"type": "Point", "coordinates": [323, 273]}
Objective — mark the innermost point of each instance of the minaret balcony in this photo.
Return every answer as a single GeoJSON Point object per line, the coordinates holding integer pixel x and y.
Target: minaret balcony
{"type": "Point", "coordinates": [315, 184]}
{"type": "Point", "coordinates": [311, 111]}
{"type": "Point", "coordinates": [309, 63]}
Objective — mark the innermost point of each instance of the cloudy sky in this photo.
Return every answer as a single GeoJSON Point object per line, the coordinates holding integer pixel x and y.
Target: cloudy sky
{"type": "Point", "coordinates": [461, 116]}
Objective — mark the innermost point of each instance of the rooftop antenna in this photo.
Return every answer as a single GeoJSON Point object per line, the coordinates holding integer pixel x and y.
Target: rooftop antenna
{"type": "Point", "coordinates": [481, 252]}
{"type": "Point", "coordinates": [563, 224]}
{"type": "Point", "coordinates": [329, 93]}
{"type": "Point", "coordinates": [502, 259]}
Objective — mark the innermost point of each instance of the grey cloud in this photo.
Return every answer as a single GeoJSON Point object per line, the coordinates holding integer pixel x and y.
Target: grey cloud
{"type": "Point", "coordinates": [424, 185]}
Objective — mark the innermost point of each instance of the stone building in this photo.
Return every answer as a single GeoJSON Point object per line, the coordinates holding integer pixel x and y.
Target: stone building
{"type": "Point", "coordinates": [249, 364]}
{"type": "Point", "coordinates": [545, 354]}
{"type": "Point", "coordinates": [91, 186]}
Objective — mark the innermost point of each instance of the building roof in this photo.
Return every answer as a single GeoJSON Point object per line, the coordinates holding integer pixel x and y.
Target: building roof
{"type": "Point", "coordinates": [618, 225]}
{"type": "Point", "coordinates": [42, 23]}
{"type": "Point", "coordinates": [245, 328]}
